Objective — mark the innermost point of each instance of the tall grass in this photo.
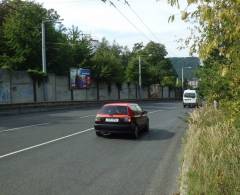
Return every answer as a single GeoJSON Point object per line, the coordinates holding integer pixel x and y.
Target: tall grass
{"type": "Point", "coordinates": [211, 158]}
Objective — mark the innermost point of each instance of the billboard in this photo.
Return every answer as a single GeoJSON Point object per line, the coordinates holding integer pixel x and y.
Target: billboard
{"type": "Point", "coordinates": [80, 78]}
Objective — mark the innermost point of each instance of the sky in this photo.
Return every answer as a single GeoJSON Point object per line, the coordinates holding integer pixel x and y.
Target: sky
{"type": "Point", "coordinates": [103, 20]}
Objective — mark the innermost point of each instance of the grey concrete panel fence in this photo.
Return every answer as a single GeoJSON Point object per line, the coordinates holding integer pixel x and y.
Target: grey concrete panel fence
{"type": "Point", "coordinates": [17, 87]}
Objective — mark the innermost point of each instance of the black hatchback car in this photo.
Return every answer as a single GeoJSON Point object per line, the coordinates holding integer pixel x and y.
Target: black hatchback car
{"type": "Point", "coordinates": [128, 118]}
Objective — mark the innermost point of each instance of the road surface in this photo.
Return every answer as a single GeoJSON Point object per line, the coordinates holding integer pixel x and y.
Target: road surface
{"type": "Point", "coordinates": [59, 153]}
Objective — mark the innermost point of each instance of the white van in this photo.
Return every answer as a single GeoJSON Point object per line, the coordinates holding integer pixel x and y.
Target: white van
{"type": "Point", "coordinates": [190, 98]}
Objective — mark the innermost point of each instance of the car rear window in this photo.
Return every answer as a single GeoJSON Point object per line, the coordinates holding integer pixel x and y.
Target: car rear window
{"type": "Point", "coordinates": [189, 95]}
{"type": "Point", "coordinates": [122, 110]}
{"type": "Point", "coordinates": [136, 108]}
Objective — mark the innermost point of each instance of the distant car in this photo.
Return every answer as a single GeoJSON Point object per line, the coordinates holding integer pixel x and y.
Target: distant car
{"type": "Point", "coordinates": [121, 118]}
{"type": "Point", "coordinates": [190, 98]}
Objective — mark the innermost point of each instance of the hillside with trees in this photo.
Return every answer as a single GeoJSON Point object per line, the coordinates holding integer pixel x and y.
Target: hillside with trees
{"type": "Point", "coordinates": [179, 62]}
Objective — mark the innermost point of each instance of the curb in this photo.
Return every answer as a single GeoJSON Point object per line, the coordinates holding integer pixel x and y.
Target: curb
{"type": "Point", "coordinates": [22, 108]}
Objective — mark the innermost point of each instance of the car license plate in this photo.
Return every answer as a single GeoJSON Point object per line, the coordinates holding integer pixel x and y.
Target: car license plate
{"type": "Point", "coordinates": [112, 120]}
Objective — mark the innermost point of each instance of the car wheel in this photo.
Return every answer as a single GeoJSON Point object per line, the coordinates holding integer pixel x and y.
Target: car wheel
{"type": "Point", "coordinates": [136, 132]}
{"type": "Point", "coordinates": [98, 134]}
{"type": "Point", "coordinates": [147, 127]}
{"type": "Point", "coordinates": [184, 106]}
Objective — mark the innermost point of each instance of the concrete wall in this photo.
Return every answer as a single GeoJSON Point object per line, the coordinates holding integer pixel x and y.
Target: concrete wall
{"type": "Point", "coordinates": [145, 93]}
{"type": "Point", "coordinates": [165, 94]}
{"type": "Point", "coordinates": [21, 87]}
{"type": "Point", "coordinates": [63, 92]}
{"type": "Point", "coordinates": [103, 91]}
{"type": "Point", "coordinates": [132, 91]}
{"type": "Point", "coordinates": [17, 87]}
{"type": "Point", "coordinates": [124, 92]}
{"type": "Point", "coordinates": [51, 88]}
{"type": "Point", "coordinates": [114, 93]}
{"type": "Point", "coordinates": [5, 96]}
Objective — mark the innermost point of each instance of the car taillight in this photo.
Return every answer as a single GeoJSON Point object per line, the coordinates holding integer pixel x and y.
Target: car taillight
{"type": "Point", "coordinates": [98, 119]}
{"type": "Point", "coordinates": [127, 120]}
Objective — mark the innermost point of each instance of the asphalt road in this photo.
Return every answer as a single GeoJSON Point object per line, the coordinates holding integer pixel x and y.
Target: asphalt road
{"type": "Point", "coordinates": [59, 153]}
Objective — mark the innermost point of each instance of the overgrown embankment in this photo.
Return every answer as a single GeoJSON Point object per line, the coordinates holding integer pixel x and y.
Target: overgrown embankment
{"type": "Point", "coordinates": [211, 157]}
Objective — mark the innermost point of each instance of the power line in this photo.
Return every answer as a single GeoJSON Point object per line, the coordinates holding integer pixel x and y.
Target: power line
{"type": "Point", "coordinates": [129, 21]}
{"type": "Point", "coordinates": [141, 20]}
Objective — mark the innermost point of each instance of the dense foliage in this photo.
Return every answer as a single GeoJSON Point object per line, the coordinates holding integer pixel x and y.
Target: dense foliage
{"type": "Point", "coordinates": [21, 49]}
{"type": "Point", "coordinates": [156, 68]}
{"type": "Point", "coordinates": [211, 153]}
{"type": "Point", "coordinates": [215, 38]}
{"type": "Point", "coordinates": [21, 38]}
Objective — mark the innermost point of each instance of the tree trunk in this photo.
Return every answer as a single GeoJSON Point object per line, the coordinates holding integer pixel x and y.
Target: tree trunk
{"type": "Point", "coordinates": [72, 95]}
{"type": "Point", "coordinates": [149, 92]}
{"type": "Point", "coordinates": [10, 91]}
{"type": "Point", "coordinates": [169, 92]}
{"type": "Point", "coordinates": [119, 92]}
{"type": "Point", "coordinates": [97, 83]}
{"type": "Point", "coordinates": [136, 87]}
{"type": "Point", "coordinates": [34, 91]}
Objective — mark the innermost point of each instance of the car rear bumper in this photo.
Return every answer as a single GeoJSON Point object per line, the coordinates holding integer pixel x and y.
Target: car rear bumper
{"type": "Point", "coordinates": [190, 104]}
{"type": "Point", "coordinates": [114, 128]}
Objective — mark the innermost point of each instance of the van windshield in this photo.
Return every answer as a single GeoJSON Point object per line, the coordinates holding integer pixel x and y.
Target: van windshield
{"type": "Point", "coordinates": [189, 95]}
{"type": "Point", "coordinates": [122, 110]}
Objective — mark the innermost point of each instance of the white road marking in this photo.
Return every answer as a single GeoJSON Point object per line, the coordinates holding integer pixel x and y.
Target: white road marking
{"type": "Point", "coordinates": [23, 127]}
{"type": "Point", "coordinates": [87, 116]}
{"type": "Point", "coordinates": [51, 141]}
{"type": "Point", "coordinates": [45, 143]}
{"type": "Point", "coordinates": [155, 111]}
{"type": "Point", "coordinates": [170, 108]}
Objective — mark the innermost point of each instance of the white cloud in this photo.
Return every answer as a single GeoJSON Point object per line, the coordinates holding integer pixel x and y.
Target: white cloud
{"type": "Point", "coordinates": [103, 20]}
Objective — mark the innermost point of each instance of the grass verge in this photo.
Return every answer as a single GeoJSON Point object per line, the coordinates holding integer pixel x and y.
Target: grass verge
{"type": "Point", "coordinates": [211, 154]}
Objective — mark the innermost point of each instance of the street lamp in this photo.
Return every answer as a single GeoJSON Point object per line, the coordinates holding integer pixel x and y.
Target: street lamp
{"type": "Point", "coordinates": [188, 67]}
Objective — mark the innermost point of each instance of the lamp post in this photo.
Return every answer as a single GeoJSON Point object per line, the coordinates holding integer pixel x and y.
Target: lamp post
{"type": "Point", "coordinates": [188, 67]}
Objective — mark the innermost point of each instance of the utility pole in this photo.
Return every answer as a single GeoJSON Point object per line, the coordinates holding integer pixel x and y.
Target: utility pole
{"type": "Point", "coordinates": [140, 77]}
{"type": "Point", "coordinates": [44, 63]}
{"type": "Point", "coordinates": [44, 66]}
{"type": "Point", "coordinates": [44, 69]}
{"type": "Point", "coordinates": [188, 67]}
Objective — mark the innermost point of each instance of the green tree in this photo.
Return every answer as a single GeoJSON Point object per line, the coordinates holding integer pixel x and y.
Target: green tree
{"type": "Point", "coordinates": [106, 65]}
{"type": "Point", "coordinates": [20, 37]}
{"type": "Point", "coordinates": [21, 32]}
{"type": "Point", "coordinates": [81, 47]}
{"type": "Point", "coordinates": [217, 27]}
{"type": "Point", "coordinates": [132, 71]}
{"type": "Point", "coordinates": [155, 67]}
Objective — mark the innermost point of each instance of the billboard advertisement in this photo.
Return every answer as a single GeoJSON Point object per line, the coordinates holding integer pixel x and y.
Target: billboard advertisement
{"type": "Point", "coordinates": [80, 78]}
